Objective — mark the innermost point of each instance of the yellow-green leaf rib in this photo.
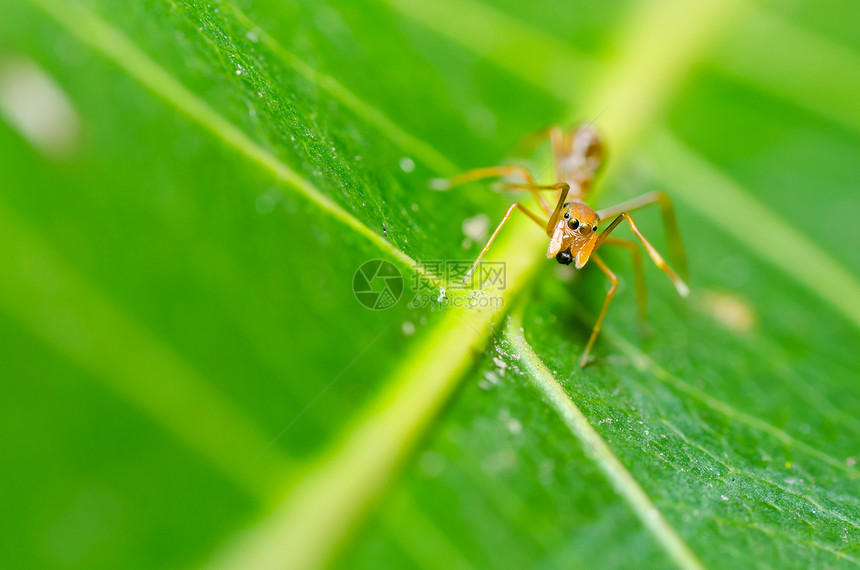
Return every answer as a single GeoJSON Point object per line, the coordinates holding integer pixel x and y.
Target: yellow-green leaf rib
{"type": "Point", "coordinates": [324, 503]}
{"type": "Point", "coordinates": [333, 491]}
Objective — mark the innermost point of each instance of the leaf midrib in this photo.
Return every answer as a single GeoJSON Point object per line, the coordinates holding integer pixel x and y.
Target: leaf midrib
{"type": "Point", "coordinates": [290, 523]}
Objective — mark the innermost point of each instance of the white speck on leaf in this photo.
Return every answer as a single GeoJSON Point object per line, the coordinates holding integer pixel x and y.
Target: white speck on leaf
{"type": "Point", "coordinates": [731, 311]}
{"type": "Point", "coordinates": [37, 107]}
{"type": "Point", "coordinates": [407, 164]}
{"type": "Point", "coordinates": [439, 184]}
{"type": "Point", "coordinates": [491, 377]}
{"type": "Point", "coordinates": [476, 227]}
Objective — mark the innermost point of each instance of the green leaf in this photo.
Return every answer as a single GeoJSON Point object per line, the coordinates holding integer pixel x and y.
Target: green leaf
{"type": "Point", "coordinates": [189, 189]}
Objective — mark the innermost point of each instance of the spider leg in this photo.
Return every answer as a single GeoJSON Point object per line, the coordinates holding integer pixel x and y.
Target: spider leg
{"type": "Point", "coordinates": [658, 260]}
{"type": "Point", "coordinates": [638, 272]}
{"type": "Point", "coordinates": [670, 223]}
{"type": "Point", "coordinates": [609, 295]}
{"type": "Point", "coordinates": [564, 187]}
{"type": "Point", "coordinates": [515, 206]}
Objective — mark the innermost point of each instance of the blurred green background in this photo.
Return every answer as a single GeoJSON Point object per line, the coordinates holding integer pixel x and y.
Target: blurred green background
{"type": "Point", "coordinates": [188, 189]}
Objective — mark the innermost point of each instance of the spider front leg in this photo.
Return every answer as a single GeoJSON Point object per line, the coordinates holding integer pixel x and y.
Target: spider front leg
{"type": "Point", "coordinates": [562, 187]}
{"type": "Point", "coordinates": [658, 260]}
{"type": "Point", "coordinates": [515, 206]}
{"type": "Point", "coordinates": [670, 223]}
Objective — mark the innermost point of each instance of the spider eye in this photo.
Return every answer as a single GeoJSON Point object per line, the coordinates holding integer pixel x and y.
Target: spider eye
{"type": "Point", "coordinates": [566, 215]}
{"type": "Point", "coordinates": [573, 224]}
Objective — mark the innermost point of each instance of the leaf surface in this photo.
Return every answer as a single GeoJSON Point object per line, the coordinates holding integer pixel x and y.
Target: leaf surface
{"type": "Point", "coordinates": [186, 357]}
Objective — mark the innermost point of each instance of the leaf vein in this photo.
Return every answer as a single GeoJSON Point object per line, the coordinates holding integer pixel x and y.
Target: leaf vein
{"type": "Point", "coordinates": [839, 554]}
{"type": "Point", "coordinates": [644, 362]}
{"type": "Point", "coordinates": [732, 471]}
{"type": "Point", "coordinates": [88, 28]}
{"type": "Point", "coordinates": [371, 114]}
{"type": "Point", "coordinates": [596, 448]}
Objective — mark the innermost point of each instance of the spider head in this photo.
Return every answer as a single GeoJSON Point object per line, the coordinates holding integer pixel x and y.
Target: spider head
{"type": "Point", "coordinates": [574, 235]}
{"type": "Point", "coordinates": [580, 221]}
